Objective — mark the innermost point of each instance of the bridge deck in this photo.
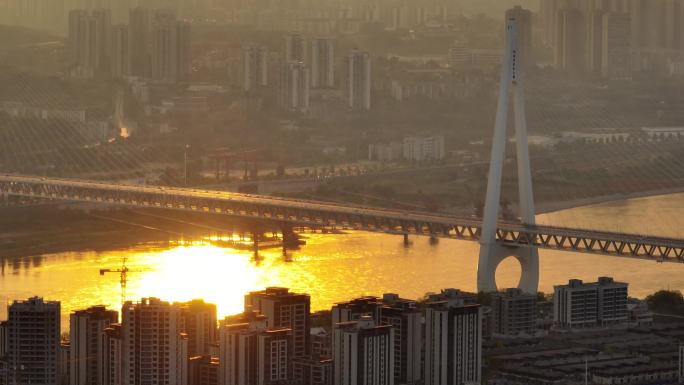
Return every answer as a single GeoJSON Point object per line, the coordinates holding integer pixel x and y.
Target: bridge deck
{"type": "Point", "coordinates": [312, 213]}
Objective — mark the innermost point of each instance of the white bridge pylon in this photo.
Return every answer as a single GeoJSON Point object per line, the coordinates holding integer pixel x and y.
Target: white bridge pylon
{"type": "Point", "coordinates": [491, 252]}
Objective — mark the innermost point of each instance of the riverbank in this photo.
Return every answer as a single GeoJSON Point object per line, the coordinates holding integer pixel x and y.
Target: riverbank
{"type": "Point", "coordinates": [550, 207]}
{"type": "Point", "coordinates": [56, 228]}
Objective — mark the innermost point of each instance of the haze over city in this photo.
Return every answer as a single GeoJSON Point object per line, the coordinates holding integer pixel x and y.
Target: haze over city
{"type": "Point", "coordinates": [341, 192]}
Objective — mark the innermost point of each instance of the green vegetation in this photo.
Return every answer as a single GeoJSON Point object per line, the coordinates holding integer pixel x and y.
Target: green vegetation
{"type": "Point", "coordinates": [669, 302]}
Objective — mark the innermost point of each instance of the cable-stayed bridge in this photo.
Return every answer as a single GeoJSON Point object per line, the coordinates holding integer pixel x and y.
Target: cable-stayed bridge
{"type": "Point", "coordinates": [61, 147]}
{"type": "Point", "coordinates": [323, 214]}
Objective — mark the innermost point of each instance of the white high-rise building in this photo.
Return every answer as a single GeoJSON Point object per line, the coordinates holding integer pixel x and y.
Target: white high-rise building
{"type": "Point", "coordinates": [254, 68]}
{"type": "Point", "coordinates": [453, 343]}
{"type": "Point", "coordinates": [155, 352]}
{"type": "Point", "coordinates": [580, 304]}
{"type": "Point", "coordinates": [359, 80]}
{"type": "Point", "coordinates": [322, 63]}
{"type": "Point", "coordinates": [252, 354]}
{"type": "Point", "coordinates": [363, 353]}
{"type": "Point", "coordinates": [86, 344]}
{"type": "Point", "coordinates": [295, 87]}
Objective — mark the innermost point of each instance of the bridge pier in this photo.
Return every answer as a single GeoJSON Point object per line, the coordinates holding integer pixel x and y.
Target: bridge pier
{"type": "Point", "coordinates": [284, 240]}
{"type": "Point", "coordinates": [255, 243]}
{"type": "Point", "coordinates": [528, 257]}
{"type": "Point", "coordinates": [5, 199]}
{"type": "Point", "coordinates": [407, 242]}
{"type": "Point", "coordinates": [434, 240]}
{"type": "Point", "coordinates": [290, 238]}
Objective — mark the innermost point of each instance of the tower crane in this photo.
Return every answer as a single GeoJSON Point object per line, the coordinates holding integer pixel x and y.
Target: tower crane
{"type": "Point", "coordinates": [123, 273]}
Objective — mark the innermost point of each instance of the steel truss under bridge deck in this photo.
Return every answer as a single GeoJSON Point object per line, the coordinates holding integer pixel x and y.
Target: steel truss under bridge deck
{"type": "Point", "coordinates": [323, 214]}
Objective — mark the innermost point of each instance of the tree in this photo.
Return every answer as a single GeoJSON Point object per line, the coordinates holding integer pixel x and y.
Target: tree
{"type": "Point", "coordinates": [666, 302]}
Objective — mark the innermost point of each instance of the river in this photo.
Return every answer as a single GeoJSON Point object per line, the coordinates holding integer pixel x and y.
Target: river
{"type": "Point", "coordinates": [338, 267]}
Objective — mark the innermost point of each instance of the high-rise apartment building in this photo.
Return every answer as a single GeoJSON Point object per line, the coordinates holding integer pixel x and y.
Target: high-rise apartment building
{"type": "Point", "coordinates": [254, 68]}
{"type": "Point", "coordinates": [253, 353]}
{"type": "Point", "coordinates": [284, 309]}
{"type": "Point", "coordinates": [140, 41]}
{"type": "Point", "coordinates": [170, 49]}
{"type": "Point", "coordinates": [155, 351]}
{"type": "Point", "coordinates": [322, 63]}
{"type": "Point", "coordinates": [580, 304]}
{"type": "Point", "coordinates": [295, 48]}
{"type": "Point", "coordinates": [680, 365]}
{"type": "Point", "coordinates": [616, 55]}
{"type": "Point", "coordinates": [355, 309]}
{"type": "Point", "coordinates": [120, 51]}
{"type": "Point", "coordinates": [571, 48]}
{"type": "Point", "coordinates": [203, 370]}
{"type": "Point", "coordinates": [406, 321]}
{"type": "Point", "coordinates": [314, 371]}
{"type": "Point", "coordinates": [199, 323]}
{"type": "Point", "coordinates": [359, 80]}
{"type": "Point", "coordinates": [513, 313]}
{"type": "Point", "coordinates": [64, 363]}
{"type": "Point", "coordinates": [453, 343]}
{"type": "Point", "coordinates": [576, 30]}
{"type": "Point", "coordinates": [86, 344]}
{"type": "Point", "coordinates": [4, 329]}
{"type": "Point", "coordinates": [363, 353]}
{"type": "Point", "coordinates": [84, 43]}
{"type": "Point", "coordinates": [33, 342]}
{"type": "Point", "coordinates": [103, 28]}
{"type": "Point", "coordinates": [295, 87]}
{"type": "Point", "coordinates": [112, 355]}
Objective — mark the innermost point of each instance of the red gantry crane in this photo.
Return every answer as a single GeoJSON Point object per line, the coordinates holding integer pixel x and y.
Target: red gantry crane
{"type": "Point", "coordinates": [250, 158]}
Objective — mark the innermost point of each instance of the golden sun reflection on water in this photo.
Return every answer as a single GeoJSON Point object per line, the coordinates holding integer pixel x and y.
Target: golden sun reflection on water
{"type": "Point", "coordinates": [220, 276]}
{"type": "Point", "coordinates": [334, 267]}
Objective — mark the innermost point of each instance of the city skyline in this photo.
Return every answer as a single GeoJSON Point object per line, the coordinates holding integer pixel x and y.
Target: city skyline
{"type": "Point", "coordinates": [389, 324]}
{"type": "Point", "coordinates": [340, 192]}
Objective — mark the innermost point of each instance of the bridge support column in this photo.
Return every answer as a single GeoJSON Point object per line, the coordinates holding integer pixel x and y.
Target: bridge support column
{"type": "Point", "coordinates": [5, 200]}
{"type": "Point", "coordinates": [407, 242]}
{"type": "Point", "coordinates": [496, 253]}
{"type": "Point", "coordinates": [491, 251]}
{"type": "Point", "coordinates": [286, 239]}
{"type": "Point", "coordinates": [255, 243]}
